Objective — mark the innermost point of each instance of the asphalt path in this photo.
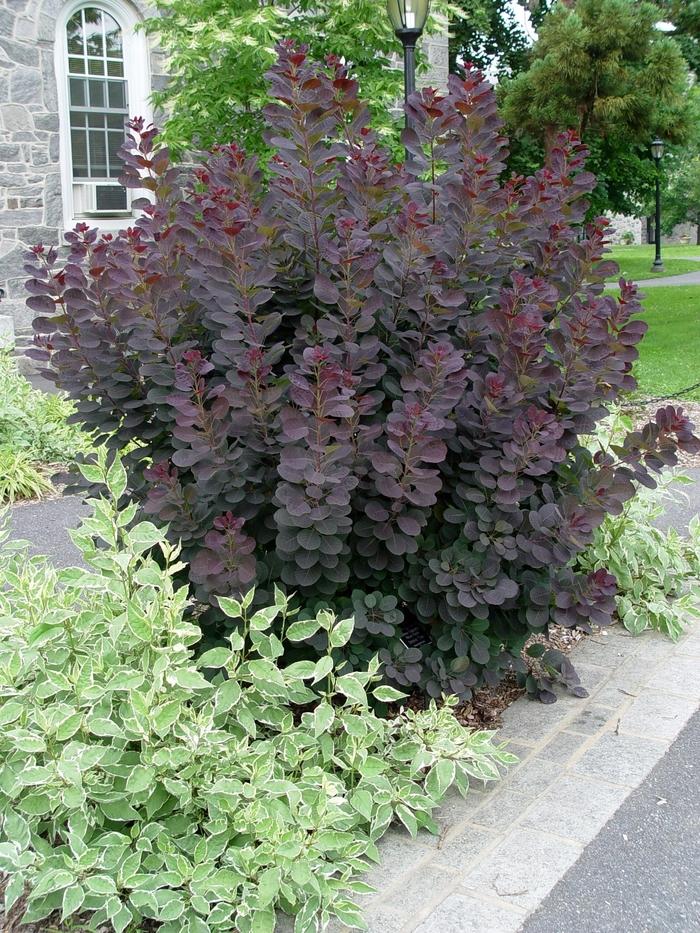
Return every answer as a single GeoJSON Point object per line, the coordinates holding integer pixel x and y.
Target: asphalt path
{"type": "Point", "coordinates": [641, 873]}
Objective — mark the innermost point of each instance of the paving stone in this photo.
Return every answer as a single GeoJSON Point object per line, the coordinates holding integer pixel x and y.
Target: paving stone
{"type": "Point", "coordinates": [562, 747]}
{"type": "Point", "coordinates": [502, 811]}
{"type": "Point", "coordinates": [532, 777]}
{"type": "Point", "coordinates": [653, 648]}
{"type": "Point", "coordinates": [603, 651]}
{"type": "Point", "coordinates": [592, 675]}
{"type": "Point", "coordinates": [657, 715]}
{"type": "Point", "coordinates": [399, 855]}
{"type": "Point", "coordinates": [520, 751]}
{"type": "Point", "coordinates": [464, 913]}
{"type": "Point", "coordinates": [690, 643]}
{"type": "Point", "coordinates": [624, 759]}
{"type": "Point", "coordinates": [678, 675]}
{"type": "Point", "coordinates": [575, 807]}
{"type": "Point", "coordinates": [522, 869]}
{"type": "Point", "coordinates": [590, 720]}
{"type": "Point", "coordinates": [452, 813]}
{"type": "Point", "coordinates": [615, 697]}
{"type": "Point", "coordinates": [379, 919]}
{"type": "Point", "coordinates": [629, 677]}
{"type": "Point", "coordinates": [458, 850]}
{"type": "Point", "coordinates": [521, 723]}
{"type": "Point", "coordinates": [418, 890]}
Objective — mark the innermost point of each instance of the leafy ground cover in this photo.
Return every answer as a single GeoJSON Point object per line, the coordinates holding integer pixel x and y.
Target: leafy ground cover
{"type": "Point", "coordinates": [657, 572]}
{"type": "Point", "coordinates": [139, 782]}
{"type": "Point", "coordinates": [635, 261]}
{"type": "Point", "coordinates": [34, 433]}
{"type": "Point", "coordinates": [669, 354]}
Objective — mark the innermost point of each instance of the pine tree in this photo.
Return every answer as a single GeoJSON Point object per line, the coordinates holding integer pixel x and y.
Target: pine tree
{"type": "Point", "coordinates": [602, 68]}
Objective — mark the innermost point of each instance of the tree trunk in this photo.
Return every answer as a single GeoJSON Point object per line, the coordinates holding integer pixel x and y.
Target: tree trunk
{"type": "Point", "coordinates": [650, 230]}
{"type": "Point", "coordinates": [550, 140]}
{"type": "Point", "coordinates": [697, 234]}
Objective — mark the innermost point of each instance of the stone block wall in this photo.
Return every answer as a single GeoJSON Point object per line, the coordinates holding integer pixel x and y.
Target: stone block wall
{"type": "Point", "coordinates": [625, 227]}
{"type": "Point", "coordinates": [436, 51]}
{"type": "Point", "coordinates": [30, 185]}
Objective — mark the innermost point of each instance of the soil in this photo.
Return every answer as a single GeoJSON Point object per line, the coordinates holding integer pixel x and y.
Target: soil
{"type": "Point", "coordinates": [486, 707]}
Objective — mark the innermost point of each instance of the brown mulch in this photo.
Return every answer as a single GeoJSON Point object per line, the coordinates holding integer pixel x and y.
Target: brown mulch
{"type": "Point", "coordinates": [486, 707]}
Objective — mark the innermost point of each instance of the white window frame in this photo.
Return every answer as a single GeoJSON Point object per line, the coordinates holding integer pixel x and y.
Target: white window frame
{"type": "Point", "coordinates": [137, 74]}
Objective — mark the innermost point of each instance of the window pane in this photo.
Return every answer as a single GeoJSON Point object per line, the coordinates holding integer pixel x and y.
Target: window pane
{"type": "Point", "coordinates": [98, 106]}
{"type": "Point", "coordinates": [74, 33]}
{"type": "Point", "coordinates": [78, 142]}
{"type": "Point", "coordinates": [98, 154]}
{"type": "Point", "coordinates": [93, 32]}
{"type": "Point", "coordinates": [113, 37]}
{"type": "Point", "coordinates": [116, 166]}
{"type": "Point", "coordinates": [77, 92]}
{"type": "Point", "coordinates": [117, 97]}
{"type": "Point", "coordinates": [97, 94]}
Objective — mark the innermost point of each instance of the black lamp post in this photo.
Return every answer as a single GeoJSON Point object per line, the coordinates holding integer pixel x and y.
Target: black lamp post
{"type": "Point", "coordinates": [657, 151]}
{"type": "Point", "coordinates": [408, 19]}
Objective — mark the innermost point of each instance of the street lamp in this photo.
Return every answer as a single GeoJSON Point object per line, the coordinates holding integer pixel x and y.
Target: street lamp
{"type": "Point", "coordinates": [657, 151]}
{"type": "Point", "coordinates": [408, 19]}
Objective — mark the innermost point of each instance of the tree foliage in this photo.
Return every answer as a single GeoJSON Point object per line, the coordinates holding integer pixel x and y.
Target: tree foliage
{"type": "Point", "coordinates": [685, 17]}
{"type": "Point", "coordinates": [602, 68]}
{"type": "Point", "coordinates": [364, 376]}
{"type": "Point", "coordinates": [489, 36]}
{"type": "Point", "coordinates": [219, 50]}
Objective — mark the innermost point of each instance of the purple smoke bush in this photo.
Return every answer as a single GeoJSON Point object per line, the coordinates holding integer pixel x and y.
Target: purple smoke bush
{"type": "Point", "coordinates": [366, 380]}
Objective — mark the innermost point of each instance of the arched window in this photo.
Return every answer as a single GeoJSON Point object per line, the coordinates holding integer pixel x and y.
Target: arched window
{"type": "Point", "coordinates": [103, 68]}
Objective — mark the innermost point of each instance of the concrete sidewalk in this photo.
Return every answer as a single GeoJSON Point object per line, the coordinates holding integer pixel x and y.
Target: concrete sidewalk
{"type": "Point", "coordinates": [504, 848]}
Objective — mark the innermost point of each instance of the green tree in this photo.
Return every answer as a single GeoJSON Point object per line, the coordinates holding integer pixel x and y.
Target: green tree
{"type": "Point", "coordinates": [489, 35]}
{"type": "Point", "coordinates": [219, 50]}
{"type": "Point", "coordinates": [685, 17]}
{"type": "Point", "coordinates": [602, 68]}
{"type": "Point", "coordinates": [681, 196]}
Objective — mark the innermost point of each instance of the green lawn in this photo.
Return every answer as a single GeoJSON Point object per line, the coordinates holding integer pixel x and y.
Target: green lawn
{"type": "Point", "coordinates": [669, 354]}
{"type": "Point", "coordinates": [635, 261]}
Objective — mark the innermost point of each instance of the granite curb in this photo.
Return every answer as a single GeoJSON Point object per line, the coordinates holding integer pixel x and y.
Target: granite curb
{"type": "Point", "coordinates": [504, 848]}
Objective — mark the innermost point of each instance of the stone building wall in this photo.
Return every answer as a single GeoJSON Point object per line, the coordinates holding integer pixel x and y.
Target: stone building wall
{"type": "Point", "coordinates": [31, 207]}
{"type": "Point", "coordinates": [436, 51]}
{"type": "Point", "coordinates": [625, 227]}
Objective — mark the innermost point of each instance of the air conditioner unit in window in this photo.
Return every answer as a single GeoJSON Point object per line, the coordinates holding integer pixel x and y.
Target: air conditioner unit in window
{"type": "Point", "coordinates": [98, 199]}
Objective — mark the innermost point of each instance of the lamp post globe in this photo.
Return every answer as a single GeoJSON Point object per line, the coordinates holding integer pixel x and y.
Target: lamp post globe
{"type": "Point", "coordinates": [657, 152]}
{"type": "Point", "coordinates": [408, 18]}
{"type": "Point", "coordinates": [657, 149]}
